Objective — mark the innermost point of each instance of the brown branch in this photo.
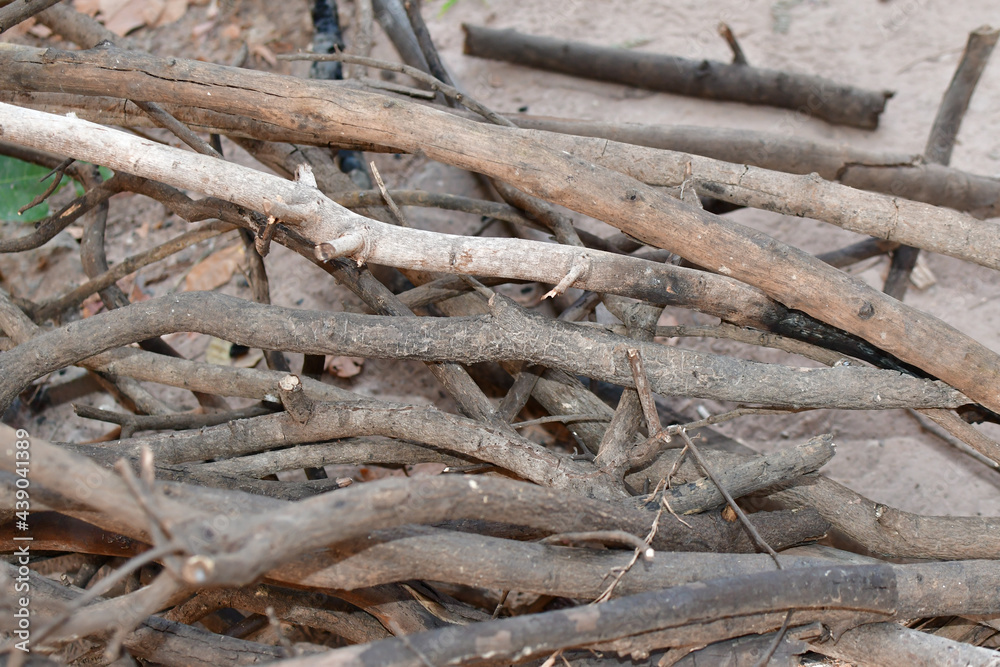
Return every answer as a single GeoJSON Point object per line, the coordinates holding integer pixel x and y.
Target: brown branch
{"type": "Point", "coordinates": [813, 95]}
{"type": "Point", "coordinates": [505, 334]}
{"type": "Point", "coordinates": [653, 217]}
{"type": "Point", "coordinates": [900, 175]}
{"type": "Point", "coordinates": [158, 639]}
{"type": "Point", "coordinates": [22, 10]}
{"type": "Point", "coordinates": [942, 137]}
{"type": "Point", "coordinates": [892, 645]}
{"type": "Point", "coordinates": [894, 591]}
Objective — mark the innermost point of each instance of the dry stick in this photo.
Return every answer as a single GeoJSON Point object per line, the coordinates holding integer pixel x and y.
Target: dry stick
{"type": "Point", "coordinates": [455, 378]}
{"type": "Point", "coordinates": [507, 333]}
{"type": "Point", "coordinates": [525, 380]}
{"type": "Point", "coordinates": [739, 58]}
{"type": "Point", "coordinates": [20, 328]}
{"type": "Point", "coordinates": [903, 176]}
{"type": "Point", "coordinates": [199, 376]}
{"type": "Point", "coordinates": [22, 10]}
{"type": "Point", "coordinates": [890, 590]}
{"type": "Point", "coordinates": [884, 216]}
{"type": "Point", "coordinates": [413, 72]}
{"type": "Point", "coordinates": [434, 65]}
{"type": "Point", "coordinates": [177, 422]}
{"type": "Point", "coordinates": [448, 202]}
{"type": "Point", "coordinates": [361, 42]}
{"type": "Point", "coordinates": [958, 433]}
{"type": "Point", "coordinates": [76, 296]}
{"type": "Point", "coordinates": [561, 228]}
{"type": "Point", "coordinates": [900, 175]}
{"type": "Point", "coordinates": [656, 431]}
{"type": "Point", "coordinates": [942, 137]}
{"type": "Point", "coordinates": [601, 537]}
{"type": "Point", "coordinates": [650, 216]}
{"type": "Point", "coordinates": [272, 533]}
{"type": "Point", "coordinates": [51, 187]}
{"type": "Point", "coordinates": [88, 33]}
{"type": "Point", "coordinates": [125, 113]}
{"type": "Point", "coordinates": [162, 640]}
{"type": "Point", "coordinates": [813, 95]}
{"type": "Point", "coordinates": [881, 529]}
{"type": "Point", "coordinates": [374, 450]}
{"type": "Point", "coordinates": [59, 221]}
{"type": "Point", "coordinates": [752, 337]}
{"type": "Point", "coordinates": [464, 436]}
{"type": "Point", "coordinates": [494, 562]}
{"type": "Point", "coordinates": [309, 608]}
{"type": "Point", "coordinates": [182, 131]}
{"type": "Point", "coordinates": [613, 449]}
{"type": "Point", "coordinates": [682, 287]}
{"type": "Point", "coordinates": [376, 295]}
{"type": "Point", "coordinates": [857, 252]}
{"type": "Point", "coordinates": [892, 645]}
{"type": "Point", "coordinates": [729, 499]}
{"type": "Point", "coordinates": [135, 396]}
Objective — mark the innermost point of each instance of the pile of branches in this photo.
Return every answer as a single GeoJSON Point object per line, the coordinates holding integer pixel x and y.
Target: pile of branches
{"type": "Point", "coordinates": [634, 548]}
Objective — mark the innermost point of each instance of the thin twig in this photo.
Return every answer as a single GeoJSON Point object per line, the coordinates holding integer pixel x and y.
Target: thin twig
{"type": "Point", "coordinates": [761, 543]}
{"type": "Point", "coordinates": [439, 86]}
{"type": "Point", "coordinates": [564, 419]}
{"type": "Point", "coordinates": [398, 214]}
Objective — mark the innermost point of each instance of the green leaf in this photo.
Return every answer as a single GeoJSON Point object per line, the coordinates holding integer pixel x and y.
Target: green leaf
{"type": "Point", "coordinates": [105, 175]}
{"type": "Point", "coordinates": [19, 185]}
{"type": "Point", "coordinates": [448, 4]}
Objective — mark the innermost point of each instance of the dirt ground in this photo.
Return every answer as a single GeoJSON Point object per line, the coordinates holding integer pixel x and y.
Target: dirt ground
{"type": "Point", "coordinates": [908, 46]}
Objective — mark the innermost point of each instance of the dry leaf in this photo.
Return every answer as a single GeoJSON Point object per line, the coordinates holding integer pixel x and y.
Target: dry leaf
{"type": "Point", "coordinates": [128, 18]}
{"type": "Point", "coordinates": [728, 514]}
{"type": "Point", "coordinates": [344, 367]}
{"type": "Point", "coordinates": [109, 8]}
{"type": "Point", "coordinates": [265, 54]}
{"type": "Point", "coordinates": [217, 352]}
{"type": "Point", "coordinates": [231, 31]}
{"type": "Point", "coordinates": [91, 306]}
{"type": "Point", "coordinates": [201, 29]}
{"type": "Point", "coordinates": [372, 474]}
{"type": "Point", "coordinates": [40, 31]}
{"type": "Point", "coordinates": [152, 11]}
{"type": "Point", "coordinates": [88, 7]}
{"type": "Point", "coordinates": [173, 11]}
{"type": "Point", "coordinates": [137, 293]}
{"type": "Point", "coordinates": [215, 270]}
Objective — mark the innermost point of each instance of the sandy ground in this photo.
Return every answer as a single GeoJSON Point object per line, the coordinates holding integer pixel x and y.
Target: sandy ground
{"type": "Point", "coordinates": [909, 46]}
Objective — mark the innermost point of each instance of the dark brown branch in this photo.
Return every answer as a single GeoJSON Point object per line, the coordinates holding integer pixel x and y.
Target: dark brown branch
{"type": "Point", "coordinates": [942, 137]}
{"type": "Point", "coordinates": [950, 113]}
{"type": "Point", "coordinates": [22, 10]}
{"type": "Point", "coordinates": [812, 95]}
